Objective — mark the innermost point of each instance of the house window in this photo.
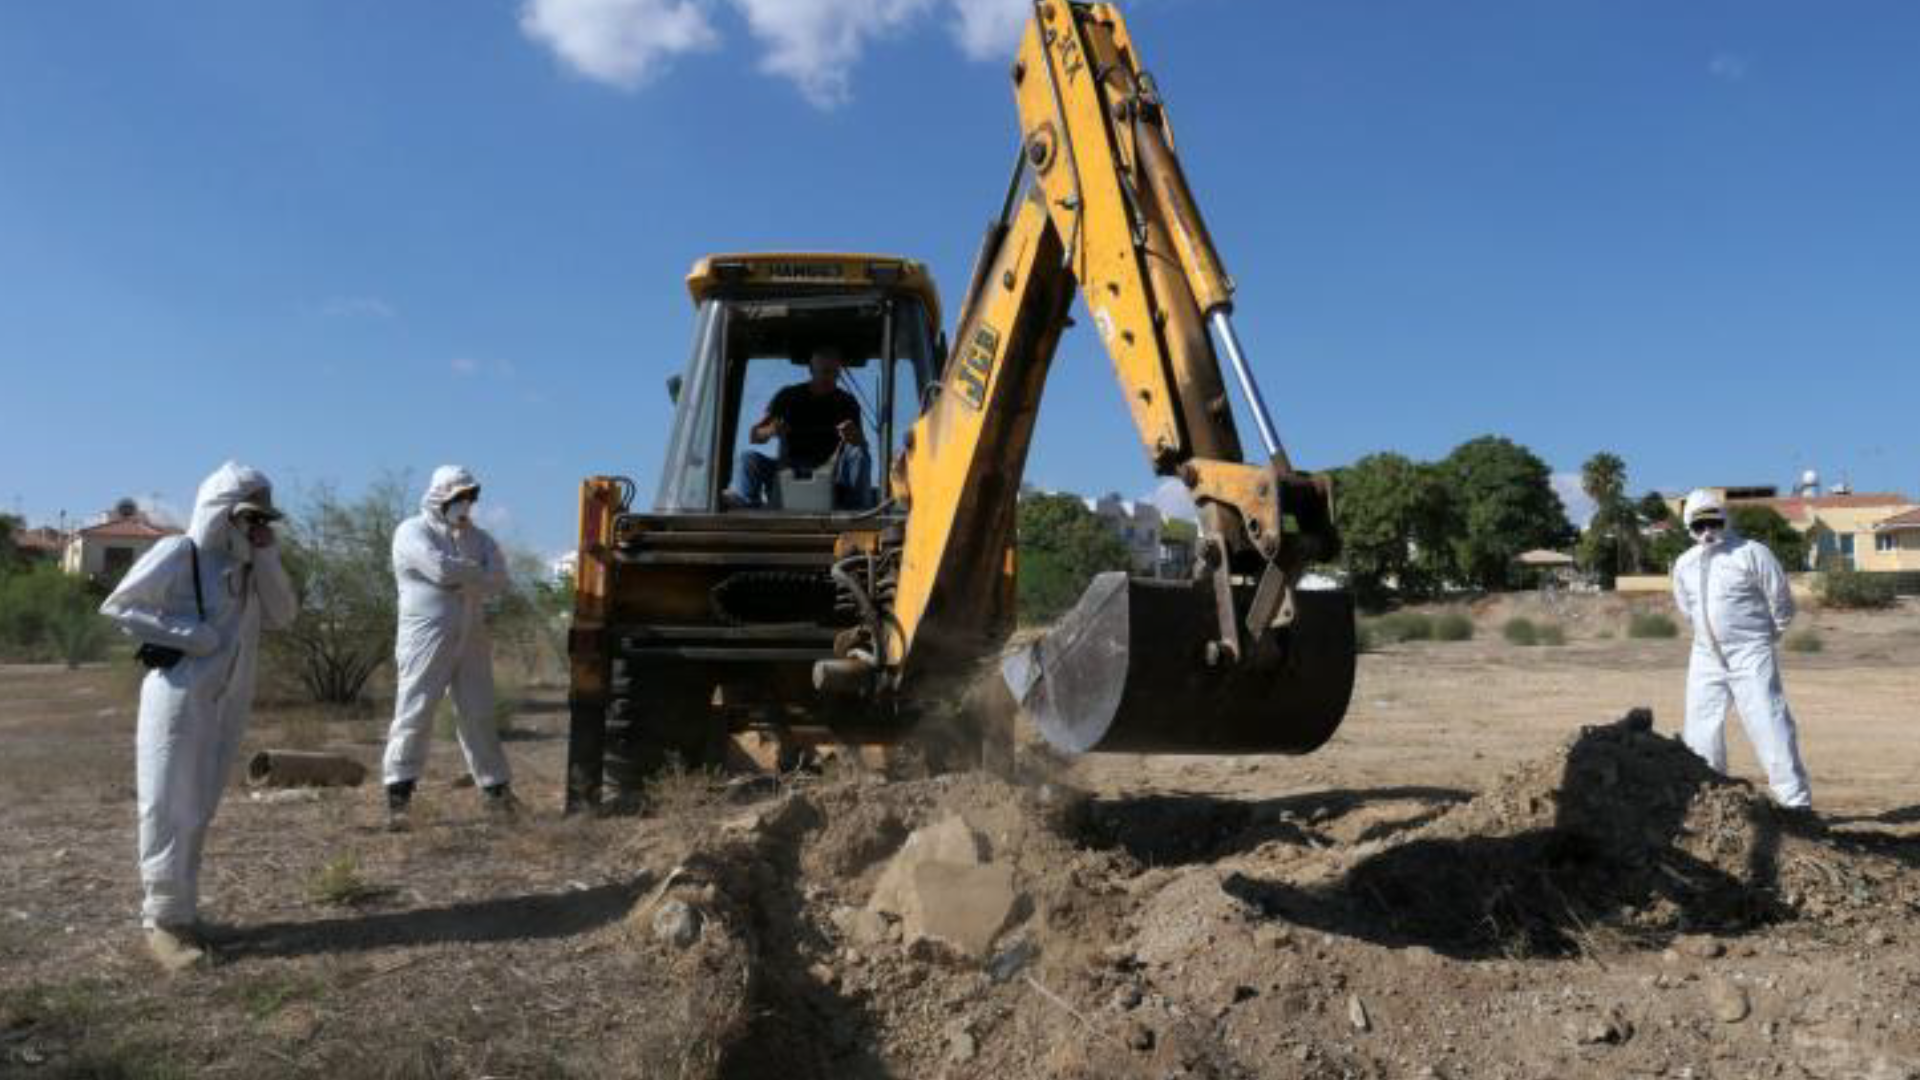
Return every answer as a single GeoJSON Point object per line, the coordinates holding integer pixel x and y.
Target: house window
{"type": "Point", "coordinates": [1886, 542]}
{"type": "Point", "coordinates": [1846, 544]}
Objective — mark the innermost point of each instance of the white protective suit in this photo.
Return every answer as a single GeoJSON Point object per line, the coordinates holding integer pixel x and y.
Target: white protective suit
{"type": "Point", "coordinates": [192, 714]}
{"type": "Point", "coordinates": [1736, 595]}
{"type": "Point", "coordinates": [446, 574]}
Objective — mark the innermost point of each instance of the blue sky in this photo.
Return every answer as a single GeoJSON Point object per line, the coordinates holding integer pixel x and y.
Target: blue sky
{"type": "Point", "coordinates": [337, 238]}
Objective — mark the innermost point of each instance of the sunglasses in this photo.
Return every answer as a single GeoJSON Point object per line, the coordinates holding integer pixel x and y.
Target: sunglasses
{"type": "Point", "coordinates": [1704, 524]}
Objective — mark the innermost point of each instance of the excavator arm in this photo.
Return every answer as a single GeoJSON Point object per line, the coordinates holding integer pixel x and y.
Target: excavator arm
{"type": "Point", "coordinates": [1237, 660]}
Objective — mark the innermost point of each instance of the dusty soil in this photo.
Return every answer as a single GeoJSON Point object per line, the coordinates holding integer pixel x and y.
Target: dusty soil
{"type": "Point", "coordinates": [1482, 876]}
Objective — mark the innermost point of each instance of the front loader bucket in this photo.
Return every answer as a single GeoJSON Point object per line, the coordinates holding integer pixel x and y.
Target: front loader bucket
{"type": "Point", "coordinates": [1126, 671]}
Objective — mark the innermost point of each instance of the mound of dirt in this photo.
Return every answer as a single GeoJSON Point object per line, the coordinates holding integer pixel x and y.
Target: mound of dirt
{"type": "Point", "coordinates": [1268, 931]}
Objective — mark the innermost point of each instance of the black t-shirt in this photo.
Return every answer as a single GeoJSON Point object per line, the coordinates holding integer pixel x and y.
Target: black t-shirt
{"type": "Point", "coordinates": [811, 421]}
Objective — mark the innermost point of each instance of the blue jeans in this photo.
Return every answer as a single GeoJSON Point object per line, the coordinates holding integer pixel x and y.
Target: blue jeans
{"type": "Point", "coordinates": [852, 478]}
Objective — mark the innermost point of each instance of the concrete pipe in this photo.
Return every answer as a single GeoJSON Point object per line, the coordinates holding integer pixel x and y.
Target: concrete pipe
{"type": "Point", "coordinates": [299, 768]}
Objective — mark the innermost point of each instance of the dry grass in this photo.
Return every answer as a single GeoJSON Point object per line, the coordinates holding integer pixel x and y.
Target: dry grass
{"type": "Point", "coordinates": [687, 802]}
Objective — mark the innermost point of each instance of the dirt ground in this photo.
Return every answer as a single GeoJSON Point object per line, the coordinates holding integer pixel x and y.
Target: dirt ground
{"type": "Point", "coordinates": [1481, 876]}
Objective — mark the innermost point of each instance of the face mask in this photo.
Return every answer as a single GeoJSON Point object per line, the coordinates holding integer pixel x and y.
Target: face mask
{"type": "Point", "coordinates": [459, 512]}
{"type": "Point", "coordinates": [1709, 536]}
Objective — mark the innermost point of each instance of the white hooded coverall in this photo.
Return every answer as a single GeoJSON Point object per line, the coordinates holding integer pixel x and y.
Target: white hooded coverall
{"type": "Point", "coordinates": [1736, 595]}
{"type": "Point", "coordinates": [193, 714]}
{"type": "Point", "coordinates": [446, 576]}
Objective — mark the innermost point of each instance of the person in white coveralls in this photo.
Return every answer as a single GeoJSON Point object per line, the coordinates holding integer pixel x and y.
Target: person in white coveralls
{"type": "Point", "coordinates": [1735, 594]}
{"type": "Point", "coordinates": [447, 569]}
{"type": "Point", "coordinates": [196, 604]}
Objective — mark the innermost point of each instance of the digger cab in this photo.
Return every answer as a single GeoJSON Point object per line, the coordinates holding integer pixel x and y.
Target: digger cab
{"type": "Point", "coordinates": [764, 325]}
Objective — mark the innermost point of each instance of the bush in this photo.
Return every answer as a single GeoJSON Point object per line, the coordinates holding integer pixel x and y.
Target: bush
{"type": "Point", "coordinates": [1551, 634]}
{"type": "Point", "coordinates": [1363, 636]}
{"type": "Point", "coordinates": [1805, 641]}
{"type": "Point", "coordinates": [1402, 626]}
{"type": "Point", "coordinates": [1651, 624]}
{"type": "Point", "coordinates": [47, 615]}
{"type": "Point", "coordinates": [1842, 588]}
{"type": "Point", "coordinates": [1521, 631]}
{"type": "Point", "coordinates": [1453, 626]}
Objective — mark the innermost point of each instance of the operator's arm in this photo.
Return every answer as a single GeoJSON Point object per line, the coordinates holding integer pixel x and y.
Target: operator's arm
{"type": "Point", "coordinates": [414, 552]}
{"type": "Point", "coordinates": [1772, 579]}
{"type": "Point", "coordinates": [138, 604]}
{"type": "Point", "coordinates": [772, 424]}
{"type": "Point", "coordinates": [851, 431]}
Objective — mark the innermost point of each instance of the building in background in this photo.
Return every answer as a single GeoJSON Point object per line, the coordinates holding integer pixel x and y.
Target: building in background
{"type": "Point", "coordinates": [41, 544]}
{"type": "Point", "coordinates": [105, 550]}
{"type": "Point", "coordinates": [1842, 528]}
{"type": "Point", "coordinates": [1896, 543]}
{"type": "Point", "coordinates": [1137, 524]}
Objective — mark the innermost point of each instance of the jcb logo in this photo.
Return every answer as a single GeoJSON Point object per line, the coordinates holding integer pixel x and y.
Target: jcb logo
{"type": "Point", "coordinates": [1070, 61]}
{"type": "Point", "coordinates": [976, 366]}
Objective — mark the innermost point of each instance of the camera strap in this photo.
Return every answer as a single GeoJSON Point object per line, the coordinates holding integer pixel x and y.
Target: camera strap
{"type": "Point", "coordinates": [199, 601]}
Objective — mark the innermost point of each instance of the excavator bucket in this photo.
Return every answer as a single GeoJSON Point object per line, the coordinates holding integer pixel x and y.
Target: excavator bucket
{"type": "Point", "coordinates": [1126, 670]}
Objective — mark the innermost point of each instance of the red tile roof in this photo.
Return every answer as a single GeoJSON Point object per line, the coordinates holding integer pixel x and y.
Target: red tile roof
{"type": "Point", "coordinates": [1908, 520]}
{"type": "Point", "coordinates": [128, 529]}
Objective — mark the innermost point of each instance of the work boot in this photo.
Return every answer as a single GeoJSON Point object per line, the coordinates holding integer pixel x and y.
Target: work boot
{"type": "Point", "coordinates": [176, 948]}
{"type": "Point", "coordinates": [400, 806]}
{"type": "Point", "coordinates": [500, 803]}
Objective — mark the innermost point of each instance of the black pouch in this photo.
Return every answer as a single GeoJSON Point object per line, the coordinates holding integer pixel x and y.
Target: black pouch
{"type": "Point", "coordinates": [157, 656]}
{"type": "Point", "coordinates": [160, 657]}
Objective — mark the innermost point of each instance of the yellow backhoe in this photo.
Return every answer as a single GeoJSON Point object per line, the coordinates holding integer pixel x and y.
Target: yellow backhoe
{"type": "Point", "coordinates": [792, 594]}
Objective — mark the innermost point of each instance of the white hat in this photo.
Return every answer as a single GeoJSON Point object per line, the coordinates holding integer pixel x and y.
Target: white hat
{"type": "Point", "coordinates": [1703, 504]}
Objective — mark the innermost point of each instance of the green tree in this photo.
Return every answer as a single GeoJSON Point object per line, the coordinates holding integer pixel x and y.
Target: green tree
{"type": "Point", "coordinates": [1506, 505]}
{"type": "Point", "coordinates": [1668, 544]}
{"type": "Point", "coordinates": [1653, 508]}
{"type": "Point", "coordinates": [10, 527]}
{"type": "Point", "coordinates": [1395, 516]}
{"type": "Point", "coordinates": [339, 553]}
{"type": "Point", "coordinates": [1612, 544]}
{"type": "Point", "coordinates": [1764, 524]}
{"type": "Point", "coordinates": [1061, 546]}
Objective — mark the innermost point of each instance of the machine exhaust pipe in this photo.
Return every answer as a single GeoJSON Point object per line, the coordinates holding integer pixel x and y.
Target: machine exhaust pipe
{"type": "Point", "coordinates": [1127, 670]}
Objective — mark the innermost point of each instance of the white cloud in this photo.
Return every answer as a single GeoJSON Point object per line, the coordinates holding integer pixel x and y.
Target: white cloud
{"type": "Point", "coordinates": [989, 29]}
{"type": "Point", "coordinates": [357, 307]}
{"type": "Point", "coordinates": [621, 42]}
{"type": "Point", "coordinates": [493, 517]}
{"type": "Point", "coordinates": [1579, 507]}
{"type": "Point", "coordinates": [815, 44]}
{"type": "Point", "coordinates": [1729, 67]}
{"type": "Point", "coordinates": [464, 365]}
{"type": "Point", "coordinates": [1173, 499]}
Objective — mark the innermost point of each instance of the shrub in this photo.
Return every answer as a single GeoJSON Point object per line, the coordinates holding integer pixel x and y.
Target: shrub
{"type": "Point", "coordinates": [1520, 630]}
{"type": "Point", "coordinates": [1403, 626]}
{"type": "Point", "coordinates": [1806, 641]}
{"type": "Point", "coordinates": [339, 883]}
{"type": "Point", "coordinates": [47, 615]}
{"type": "Point", "coordinates": [1651, 624]}
{"type": "Point", "coordinates": [1843, 588]}
{"type": "Point", "coordinates": [1552, 634]}
{"type": "Point", "coordinates": [1453, 626]}
{"type": "Point", "coordinates": [1363, 636]}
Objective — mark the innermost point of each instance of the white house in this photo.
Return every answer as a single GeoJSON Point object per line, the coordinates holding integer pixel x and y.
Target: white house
{"type": "Point", "coordinates": [107, 549]}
